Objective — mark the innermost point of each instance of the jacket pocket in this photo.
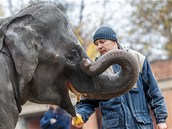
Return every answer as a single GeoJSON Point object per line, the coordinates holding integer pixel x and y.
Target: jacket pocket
{"type": "Point", "coordinates": [143, 118]}
{"type": "Point", "coordinates": [134, 90]}
{"type": "Point", "coordinates": [109, 124]}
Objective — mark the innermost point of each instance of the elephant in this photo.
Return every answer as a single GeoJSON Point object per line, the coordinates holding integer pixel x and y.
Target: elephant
{"type": "Point", "coordinates": [41, 59]}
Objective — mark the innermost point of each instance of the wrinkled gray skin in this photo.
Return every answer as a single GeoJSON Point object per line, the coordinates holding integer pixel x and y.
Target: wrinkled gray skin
{"type": "Point", "coordinates": [40, 58]}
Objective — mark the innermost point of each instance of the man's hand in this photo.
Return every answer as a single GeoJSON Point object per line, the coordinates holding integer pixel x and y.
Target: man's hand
{"type": "Point", "coordinates": [162, 126]}
{"type": "Point", "coordinates": [77, 121]}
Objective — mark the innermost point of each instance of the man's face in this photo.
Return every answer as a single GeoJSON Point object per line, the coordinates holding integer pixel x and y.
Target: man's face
{"type": "Point", "coordinates": [104, 45]}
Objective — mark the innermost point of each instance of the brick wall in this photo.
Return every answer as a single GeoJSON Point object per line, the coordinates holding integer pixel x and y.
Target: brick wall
{"type": "Point", "coordinates": [167, 95]}
{"type": "Point", "coordinates": [162, 70]}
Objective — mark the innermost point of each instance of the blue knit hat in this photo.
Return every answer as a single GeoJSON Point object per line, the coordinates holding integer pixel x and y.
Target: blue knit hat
{"type": "Point", "coordinates": [105, 32]}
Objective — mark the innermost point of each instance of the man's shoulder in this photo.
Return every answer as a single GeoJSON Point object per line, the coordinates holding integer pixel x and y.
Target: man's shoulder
{"type": "Point", "coordinates": [136, 53]}
{"type": "Point", "coordinates": [140, 58]}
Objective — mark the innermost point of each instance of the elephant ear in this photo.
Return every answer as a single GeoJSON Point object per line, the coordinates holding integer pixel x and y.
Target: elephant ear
{"type": "Point", "coordinates": [3, 24]}
{"type": "Point", "coordinates": [21, 40]}
{"type": "Point", "coordinates": [1, 37]}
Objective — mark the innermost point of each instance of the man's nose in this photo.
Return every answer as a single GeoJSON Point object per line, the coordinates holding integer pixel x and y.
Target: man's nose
{"type": "Point", "coordinates": [99, 46]}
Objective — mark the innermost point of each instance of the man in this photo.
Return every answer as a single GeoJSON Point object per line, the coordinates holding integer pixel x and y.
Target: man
{"type": "Point", "coordinates": [131, 110]}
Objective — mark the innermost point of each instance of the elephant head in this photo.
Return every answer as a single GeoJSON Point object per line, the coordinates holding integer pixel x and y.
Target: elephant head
{"type": "Point", "coordinates": [48, 60]}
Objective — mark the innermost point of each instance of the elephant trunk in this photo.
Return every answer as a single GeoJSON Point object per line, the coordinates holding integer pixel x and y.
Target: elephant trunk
{"type": "Point", "coordinates": [110, 85]}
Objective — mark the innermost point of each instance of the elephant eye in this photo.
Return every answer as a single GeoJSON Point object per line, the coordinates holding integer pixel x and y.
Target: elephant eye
{"type": "Point", "coordinates": [72, 56]}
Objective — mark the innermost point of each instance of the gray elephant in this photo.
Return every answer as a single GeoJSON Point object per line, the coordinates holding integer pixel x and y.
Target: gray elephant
{"type": "Point", "coordinates": [41, 59]}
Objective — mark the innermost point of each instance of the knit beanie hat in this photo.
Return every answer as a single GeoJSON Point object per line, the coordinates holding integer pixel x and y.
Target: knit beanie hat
{"type": "Point", "coordinates": [105, 32]}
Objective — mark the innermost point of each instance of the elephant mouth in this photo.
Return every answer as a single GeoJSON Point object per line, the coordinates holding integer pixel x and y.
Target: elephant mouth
{"type": "Point", "coordinates": [86, 95]}
{"type": "Point", "coordinates": [72, 89]}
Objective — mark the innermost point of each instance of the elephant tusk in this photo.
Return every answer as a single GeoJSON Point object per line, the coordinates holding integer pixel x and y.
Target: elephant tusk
{"type": "Point", "coordinates": [56, 56]}
{"type": "Point", "coordinates": [70, 87]}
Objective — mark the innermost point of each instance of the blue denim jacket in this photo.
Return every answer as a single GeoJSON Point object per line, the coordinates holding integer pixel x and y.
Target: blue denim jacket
{"type": "Point", "coordinates": [131, 110]}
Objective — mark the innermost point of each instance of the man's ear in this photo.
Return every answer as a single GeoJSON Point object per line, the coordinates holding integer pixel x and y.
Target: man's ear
{"type": "Point", "coordinates": [20, 38]}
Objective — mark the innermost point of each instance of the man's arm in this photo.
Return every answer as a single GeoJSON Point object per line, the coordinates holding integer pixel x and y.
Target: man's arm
{"type": "Point", "coordinates": [84, 109]}
{"type": "Point", "coordinates": [153, 94]}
